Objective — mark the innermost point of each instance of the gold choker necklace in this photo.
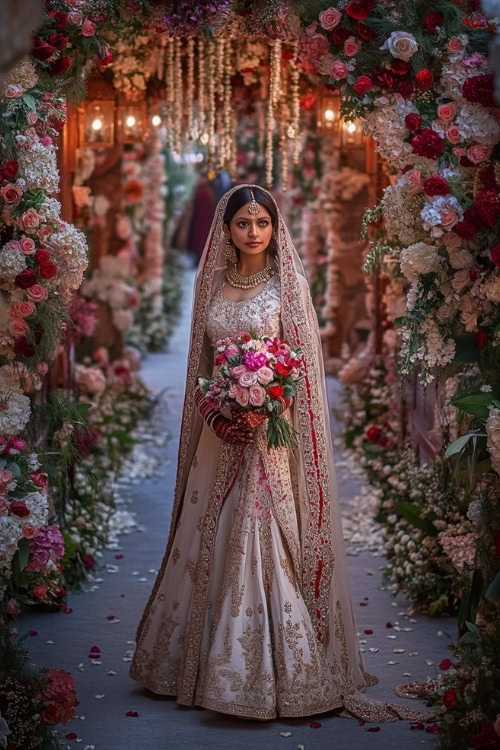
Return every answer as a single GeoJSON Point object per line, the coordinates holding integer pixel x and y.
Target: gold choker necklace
{"type": "Point", "coordinates": [248, 282]}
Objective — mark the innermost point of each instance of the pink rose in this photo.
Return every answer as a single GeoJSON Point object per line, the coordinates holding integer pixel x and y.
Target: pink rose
{"type": "Point", "coordinates": [351, 46]}
{"type": "Point", "coordinates": [458, 151]}
{"type": "Point", "coordinates": [14, 245]}
{"type": "Point", "coordinates": [31, 132]}
{"type": "Point", "coordinates": [454, 45]}
{"type": "Point", "coordinates": [88, 28]}
{"type": "Point", "coordinates": [45, 140]}
{"type": "Point", "coordinates": [37, 292]}
{"type": "Point", "coordinates": [75, 18]}
{"type": "Point", "coordinates": [13, 91]}
{"type": "Point", "coordinates": [29, 532]}
{"type": "Point", "coordinates": [4, 507]}
{"type": "Point", "coordinates": [452, 240]}
{"type": "Point", "coordinates": [28, 246]}
{"type": "Point", "coordinates": [12, 608]}
{"type": "Point", "coordinates": [415, 181]}
{"type": "Point", "coordinates": [31, 220]}
{"type": "Point", "coordinates": [339, 70]}
{"type": "Point", "coordinates": [453, 134]}
{"type": "Point", "coordinates": [44, 232]}
{"type": "Point", "coordinates": [11, 193]}
{"type": "Point", "coordinates": [18, 327]}
{"type": "Point", "coordinates": [478, 153]}
{"type": "Point", "coordinates": [257, 395]}
{"type": "Point", "coordinates": [446, 111]}
{"type": "Point", "coordinates": [330, 18]}
{"type": "Point", "coordinates": [6, 476]}
{"type": "Point", "coordinates": [460, 280]}
{"type": "Point", "coordinates": [247, 379]}
{"type": "Point", "coordinates": [448, 218]}
{"type": "Point", "coordinates": [24, 309]}
{"type": "Point", "coordinates": [233, 391]}
{"type": "Point", "coordinates": [239, 370]}
{"type": "Point", "coordinates": [265, 375]}
{"type": "Point", "coordinates": [243, 397]}
{"type": "Point", "coordinates": [32, 118]}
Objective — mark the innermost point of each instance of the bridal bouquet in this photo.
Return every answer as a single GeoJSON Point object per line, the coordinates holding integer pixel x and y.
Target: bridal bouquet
{"type": "Point", "coordinates": [254, 374]}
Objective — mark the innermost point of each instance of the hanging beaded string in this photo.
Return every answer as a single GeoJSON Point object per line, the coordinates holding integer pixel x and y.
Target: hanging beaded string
{"type": "Point", "coordinates": [170, 91]}
{"type": "Point", "coordinates": [228, 114]}
{"type": "Point", "coordinates": [211, 105]}
{"type": "Point", "coordinates": [220, 44]}
{"type": "Point", "coordinates": [190, 88]}
{"type": "Point", "coordinates": [284, 122]}
{"type": "Point", "coordinates": [294, 128]}
{"type": "Point", "coordinates": [179, 91]}
{"type": "Point", "coordinates": [273, 97]}
{"type": "Point", "coordinates": [201, 87]}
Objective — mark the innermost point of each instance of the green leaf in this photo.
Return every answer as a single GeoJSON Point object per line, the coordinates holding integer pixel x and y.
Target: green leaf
{"type": "Point", "coordinates": [23, 549]}
{"type": "Point", "coordinates": [493, 590]}
{"type": "Point", "coordinates": [475, 404]}
{"type": "Point", "coordinates": [470, 602]}
{"type": "Point", "coordinates": [458, 445]}
{"type": "Point", "coordinates": [410, 513]}
{"type": "Point", "coordinates": [30, 101]}
{"type": "Point", "coordinates": [466, 349]}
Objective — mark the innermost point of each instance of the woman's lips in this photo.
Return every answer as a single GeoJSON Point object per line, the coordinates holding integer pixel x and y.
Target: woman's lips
{"type": "Point", "coordinates": [254, 244]}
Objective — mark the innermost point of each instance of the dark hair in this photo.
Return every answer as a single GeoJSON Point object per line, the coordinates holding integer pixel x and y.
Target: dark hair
{"type": "Point", "coordinates": [242, 196]}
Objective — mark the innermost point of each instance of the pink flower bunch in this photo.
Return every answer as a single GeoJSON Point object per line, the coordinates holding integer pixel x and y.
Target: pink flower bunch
{"type": "Point", "coordinates": [47, 545]}
{"type": "Point", "coordinates": [59, 696]}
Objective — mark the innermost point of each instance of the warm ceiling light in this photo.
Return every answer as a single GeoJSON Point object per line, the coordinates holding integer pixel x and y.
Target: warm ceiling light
{"type": "Point", "coordinates": [156, 120]}
{"type": "Point", "coordinates": [329, 115]}
{"type": "Point", "coordinates": [130, 121]}
{"type": "Point", "coordinates": [97, 124]}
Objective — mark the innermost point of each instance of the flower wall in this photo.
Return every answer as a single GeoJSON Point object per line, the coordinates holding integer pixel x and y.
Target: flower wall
{"type": "Point", "coordinates": [419, 78]}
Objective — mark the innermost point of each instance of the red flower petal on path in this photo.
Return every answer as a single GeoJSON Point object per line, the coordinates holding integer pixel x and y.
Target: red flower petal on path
{"type": "Point", "coordinates": [112, 617]}
{"type": "Point", "coordinates": [361, 723]}
{"type": "Point", "coordinates": [373, 729]}
{"type": "Point", "coordinates": [363, 604]}
{"type": "Point", "coordinates": [315, 724]}
{"type": "Point", "coordinates": [417, 725]}
{"type": "Point", "coordinates": [118, 557]}
{"type": "Point", "coordinates": [32, 632]}
{"type": "Point", "coordinates": [368, 631]}
{"type": "Point", "coordinates": [132, 713]}
{"type": "Point", "coordinates": [71, 736]}
{"type": "Point", "coordinates": [434, 729]}
{"type": "Point", "coordinates": [366, 598]}
{"type": "Point", "coordinates": [388, 624]}
{"type": "Point", "coordinates": [66, 610]}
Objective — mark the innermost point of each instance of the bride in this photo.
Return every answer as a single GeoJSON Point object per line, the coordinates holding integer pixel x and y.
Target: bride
{"type": "Point", "coordinates": [250, 613]}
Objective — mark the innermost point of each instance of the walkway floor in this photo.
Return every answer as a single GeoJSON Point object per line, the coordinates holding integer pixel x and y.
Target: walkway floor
{"type": "Point", "coordinates": [107, 693]}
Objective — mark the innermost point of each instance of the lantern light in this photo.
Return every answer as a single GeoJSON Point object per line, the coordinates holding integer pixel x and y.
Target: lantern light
{"type": "Point", "coordinates": [96, 121]}
{"type": "Point", "coordinates": [328, 113]}
{"type": "Point", "coordinates": [351, 134]}
{"type": "Point", "coordinates": [132, 121]}
{"type": "Point", "coordinates": [156, 121]}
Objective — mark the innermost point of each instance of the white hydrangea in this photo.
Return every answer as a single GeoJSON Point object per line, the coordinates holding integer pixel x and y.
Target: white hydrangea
{"type": "Point", "coordinates": [69, 247]}
{"type": "Point", "coordinates": [491, 289]}
{"type": "Point", "coordinates": [15, 410]}
{"type": "Point", "coordinates": [39, 509]}
{"type": "Point", "coordinates": [10, 534]}
{"type": "Point", "coordinates": [12, 262]}
{"type": "Point", "coordinates": [476, 123]}
{"type": "Point", "coordinates": [50, 209]}
{"type": "Point", "coordinates": [37, 164]}
{"type": "Point", "coordinates": [123, 319]}
{"type": "Point", "coordinates": [399, 208]}
{"type": "Point", "coordinates": [438, 352]}
{"type": "Point", "coordinates": [453, 75]}
{"type": "Point", "coordinates": [24, 75]}
{"type": "Point", "coordinates": [386, 125]}
{"type": "Point", "coordinates": [432, 212]}
{"type": "Point", "coordinates": [418, 259]}
{"type": "Point", "coordinates": [493, 430]}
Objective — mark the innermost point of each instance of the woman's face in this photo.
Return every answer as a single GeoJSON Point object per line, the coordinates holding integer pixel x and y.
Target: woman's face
{"type": "Point", "coordinates": [250, 233]}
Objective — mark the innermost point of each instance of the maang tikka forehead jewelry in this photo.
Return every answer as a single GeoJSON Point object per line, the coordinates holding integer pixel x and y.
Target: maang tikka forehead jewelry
{"type": "Point", "coordinates": [253, 206]}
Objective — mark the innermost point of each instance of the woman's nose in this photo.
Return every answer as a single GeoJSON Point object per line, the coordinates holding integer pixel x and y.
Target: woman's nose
{"type": "Point", "coordinates": [252, 231]}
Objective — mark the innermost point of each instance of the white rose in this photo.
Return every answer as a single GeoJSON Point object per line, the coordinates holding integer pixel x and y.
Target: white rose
{"type": "Point", "coordinates": [401, 44]}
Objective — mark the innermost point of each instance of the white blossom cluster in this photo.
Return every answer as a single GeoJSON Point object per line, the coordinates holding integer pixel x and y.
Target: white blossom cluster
{"type": "Point", "coordinates": [400, 207]}
{"type": "Point", "coordinates": [23, 75]}
{"type": "Point", "coordinates": [419, 259]}
{"type": "Point", "coordinates": [15, 410]}
{"type": "Point", "coordinates": [493, 431]}
{"type": "Point", "coordinates": [476, 123]}
{"type": "Point", "coordinates": [387, 127]}
{"type": "Point", "coordinates": [11, 526]}
{"type": "Point", "coordinates": [433, 212]}
{"type": "Point", "coordinates": [109, 284]}
{"type": "Point", "coordinates": [69, 247]}
{"type": "Point", "coordinates": [37, 164]}
{"type": "Point", "coordinates": [135, 62]}
{"type": "Point", "coordinates": [12, 262]}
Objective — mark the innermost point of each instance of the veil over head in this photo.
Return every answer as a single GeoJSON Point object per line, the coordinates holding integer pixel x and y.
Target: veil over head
{"type": "Point", "coordinates": [320, 561]}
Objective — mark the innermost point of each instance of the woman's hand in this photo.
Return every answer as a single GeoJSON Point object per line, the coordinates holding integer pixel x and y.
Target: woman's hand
{"type": "Point", "coordinates": [284, 403]}
{"type": "Point", "coordinates": [232, 430]}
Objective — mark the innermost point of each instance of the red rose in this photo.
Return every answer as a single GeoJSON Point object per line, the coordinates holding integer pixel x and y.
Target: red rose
{"type": "Point", "coordinates": [495, 255]}
{"type": "Point", "coordinates": [473, 274]}
{"type": "Point", "coordinates": [436, 185]}
{"type": "Point", "coordinates": [25, 279]}
{"type": "Point", "coordinates": [479, 89]}
{"type": "Point", "coordinates": [374, 434]}
{"type": "Point", "coordinates": [219, 359]}
{"type": "Point", "coordinates": [450, 698]}
{"type": "Point", "coordinates": [41, 50]}
{"type": "Point", "coordinates": [276, 392]}
{"type": "Point", "coordinates": [445, 664]}
{"type": "Point", "coordinates": [22, 348]}
{"type": "Point", "coordinates": [60, 18]}
{"type": "Point", "coordinates": [282, 369]}
{"type": "Point", "coordinates": [465, 229]}
{"type": "Point", "coordinates": [488, 207]}
{"type": "Point", "coordinates": [363, 84]}
{"type": "Point", "coordinates": [61, 66]}
{"type": "Point", "coordinates": [42, 256]}
{"type": "Point", "coordinates": [106, 58]}
{"type": "Point", "coordinates": [428, 143]}
{"type": "Point", "coordinates": [339, 35]}
{"type": "Point", "coordinates": [39, 478]}
{"type": "Point", "coordinates": [383, 79]}
{"type": "Point", "coordinates": [47, 270]}
{"type": "Point", "coordinates": [88, 561]}
{"type": "Point", "coordinates": [360, 9]}
{"type": "Point", "coordinates": [481, 339]}
{"type": "Point", "coordinates": [20, 509]}
{"type": "Point", "coordinates": [9, 169]}
{"type": "Point", "coordinates": [432, 21]}
{"type": "Point", "coordinates": [400, 67]}
{"type": "Point", "coordinates": [424, 79]}
{"type": "Point", "coordinates": [365, 32]}
{"type": "Point", "coordinates": [405, 88]}
{"type": "Point", "coordinates": [58, 40]}
{"type": "Point", "coordinates": [413, 121]}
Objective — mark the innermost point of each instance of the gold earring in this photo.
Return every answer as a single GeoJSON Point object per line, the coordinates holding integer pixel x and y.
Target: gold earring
{"type": "Point", "coordinates": [230, 253]}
